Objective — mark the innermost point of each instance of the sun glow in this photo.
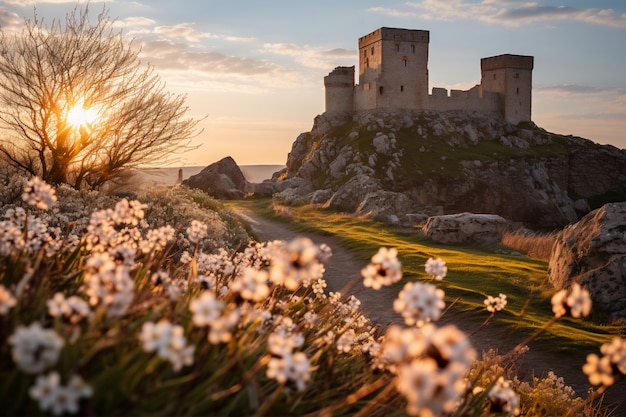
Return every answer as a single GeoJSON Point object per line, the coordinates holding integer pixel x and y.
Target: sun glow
{"type": "Point", "coordinates": [79, 115]}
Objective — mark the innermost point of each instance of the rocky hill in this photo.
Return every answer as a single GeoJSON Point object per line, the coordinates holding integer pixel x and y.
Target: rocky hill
{"type": "Point", "coordinates": [390, 165]}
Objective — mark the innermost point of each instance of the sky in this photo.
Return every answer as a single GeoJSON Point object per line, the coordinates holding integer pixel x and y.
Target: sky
{"type": "Point", "coordinates": [253, 70]}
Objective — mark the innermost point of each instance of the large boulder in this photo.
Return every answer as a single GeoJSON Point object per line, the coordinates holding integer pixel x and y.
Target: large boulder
{"type": "Point", "coordinates": [385, 206]}
{"type": "Point", "coordinates": [472, 228]}
{"type": "Point", "coordinates": [592, 253]}
{"type": "Point", "coordinates": [222, 179]}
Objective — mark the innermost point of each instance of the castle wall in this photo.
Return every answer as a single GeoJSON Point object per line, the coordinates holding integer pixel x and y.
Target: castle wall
{"type": "Point", "coordinates": [470, 100]}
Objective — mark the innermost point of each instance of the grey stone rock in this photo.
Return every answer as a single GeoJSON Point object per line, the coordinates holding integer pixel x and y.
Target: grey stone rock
{"type": "Point", "coordinates": [592, 252]}
{"type": "Point", "coordinates": [222, 179]}
{"type": "Point", "coordinates": [466, 228]}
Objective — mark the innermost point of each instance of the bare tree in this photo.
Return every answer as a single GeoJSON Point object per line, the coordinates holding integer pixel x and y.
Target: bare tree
{"type": "Point", "coordinates": [78, 107]}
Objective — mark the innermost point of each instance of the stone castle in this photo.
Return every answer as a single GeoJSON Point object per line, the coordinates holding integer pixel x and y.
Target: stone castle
{"type": "Point", "coordinates": [393, 75]}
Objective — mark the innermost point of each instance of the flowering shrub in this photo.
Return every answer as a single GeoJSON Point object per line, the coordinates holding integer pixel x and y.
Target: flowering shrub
{"type": "Point", "coordinates": [140, 307]}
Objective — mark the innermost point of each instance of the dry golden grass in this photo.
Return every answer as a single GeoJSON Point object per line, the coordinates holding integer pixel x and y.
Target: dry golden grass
{"type": "Point", "coordinates": [533, 244]}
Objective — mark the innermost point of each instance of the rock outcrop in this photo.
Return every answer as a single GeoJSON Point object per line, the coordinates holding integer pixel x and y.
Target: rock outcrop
{"type": "Point", "coordinates": [459, 161]}
{"type": "Point", "coordinates": [592, 253]}
{"type": "Point", "coordinates": [480, 229]}
{"type": "Point", "coordinates": [222, 179]}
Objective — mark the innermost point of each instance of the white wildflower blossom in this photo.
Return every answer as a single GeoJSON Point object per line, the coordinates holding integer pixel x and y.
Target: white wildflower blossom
{"type": "Point", "coordinates": [280, 343]}
{"type": "Point", "coordinates": [11, 238]}
{"type": "Point", "coordinates": [157, 239]}
{"type": "Point", "coordinates": [346, 341]}
{"type": "Point", "coordinates": [197, 231]}
{"type": "Point", "coordinates": [616, 352]}
{"type": "Point", "coordinates": [503, 398]}
{"type": "Point", "coordinates": [56, 398]}
{"type": "Point", "coordinates": [419, 303]}
{"type": "Point", "coordinates": [220, 328]}
{"type": "Point", "coordinates": [108, 284]}
{"type": "Point", "coordinates": [7, 301]}
{"type": "Point", "coordinates": [293, 368]}
{"type": "Point", "coordinates": [35, 348]}
{"type": "Point", "coordinates": [168, 341]}
{"type": "Point", "coordinates": [494, 304]}
{"type": "Point", "coordinates": [576, 301]}
{"type": "Point", "coordinates": [296, 263]}
{"type": "Point", "coordinates": [206, 308]}
{"type": "Point", "coordinates": [384, 269]}
{"type": "Point", "coordinates": [599, 370]}
{"type": "Point", "coordinates": [39, 194]}
{"type": "Point", "coordinates": [252, 284]}
{"type": "Point", "coordinates": [310, 318]}
{"type": "Point", "coordinates": [436, 268]}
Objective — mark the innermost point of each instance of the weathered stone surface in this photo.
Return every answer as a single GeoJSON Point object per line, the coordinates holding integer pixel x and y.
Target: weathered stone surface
{"type": "Point", "coordinates": [222, 179]}
{"type": "Point", "coordinates": [384, 206]}
{"type": "Point", "coordinates": [466, 228]}
{"type": "Point", "coordinates": [461, 161]}
{"type": "Point", "coordinates": [592, 252]}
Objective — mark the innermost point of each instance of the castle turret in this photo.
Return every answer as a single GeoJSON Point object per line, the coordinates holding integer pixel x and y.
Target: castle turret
{"type": "Point", "coordinates": [393, 69]}
{"type": "Point", "coordinates": [511, 77]}
{"type": "Point", "coordinates": [339, 85]}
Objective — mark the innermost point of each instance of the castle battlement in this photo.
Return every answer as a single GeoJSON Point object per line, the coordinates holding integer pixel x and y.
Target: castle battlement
{"type": "Point", "coordinates": [393, 75]}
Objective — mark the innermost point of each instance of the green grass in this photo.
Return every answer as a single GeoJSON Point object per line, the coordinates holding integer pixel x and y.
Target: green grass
{"type": "Point", "coordinates": [473, 273]}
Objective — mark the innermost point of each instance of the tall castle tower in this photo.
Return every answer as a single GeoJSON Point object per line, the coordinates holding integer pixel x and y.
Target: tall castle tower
{"type": "Point", "coordinates": [393, 69]}
{"type": "Point", "coordinates": [511, 77]}
{"type": "Point", "coordinates": [339, 87]}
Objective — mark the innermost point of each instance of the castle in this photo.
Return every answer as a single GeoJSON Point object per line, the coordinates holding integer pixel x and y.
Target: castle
{"type": "Point", "coordinates": [393, 74]}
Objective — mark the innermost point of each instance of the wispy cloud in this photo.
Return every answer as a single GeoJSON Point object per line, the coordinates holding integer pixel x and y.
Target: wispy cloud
{"type": "Point", "coordinates": [512, 13]}
{"type": "Point", "coordinates": [391, 12]}
{"type": "Point", "coordinates": [9, 20]}
{"type": "Point", "coordinates": [233, 72]}
{"type": "Point", "coordinates": [311, 57]}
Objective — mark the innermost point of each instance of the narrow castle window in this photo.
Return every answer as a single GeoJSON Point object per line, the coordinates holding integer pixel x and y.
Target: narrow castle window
{"type": "Point", "coordinates": [397, 47]}
{"type": "Point", "coordinates": [404, 61]}
{"type": "Point", "coordinates": [364, 53]}
{"type": "Point", "coordinates": [401, 88]}
{"type": "Point", "coordinates": [372, 50]}
{"type": "Point", "coordinates": [380, 89]}
{"type": "Point", "coordinates": [413, 48]}
{"type": "Point", "coordinates": [517, 90]}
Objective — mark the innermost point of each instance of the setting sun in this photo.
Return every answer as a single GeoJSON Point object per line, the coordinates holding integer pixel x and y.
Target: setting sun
{"type": "Point", "coordinates": [79, 115]}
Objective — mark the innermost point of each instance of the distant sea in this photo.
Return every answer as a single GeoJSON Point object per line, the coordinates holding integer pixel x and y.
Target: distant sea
{"type": "Point", "coordinates": [168, 176]}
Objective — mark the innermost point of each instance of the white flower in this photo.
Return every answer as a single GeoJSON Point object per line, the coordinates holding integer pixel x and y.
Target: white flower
{"type": "Point", "coordinates": [418, 381]}
{"type": "Point", "coordinates": [494, 304]}
{"type": "Point", "coordinates": [39, 194]}
{"type": "Point", "coordinates": [206, 309]}
{"type": "Point", "coordinates": [59, 399]}
{"type": "Point", "coordinates": [6, 300]}
{"type": "Point", "coordinates": [296, 263]}
{"type": "Point", "coordinates": [616, 352]}
{"type": "Point", "coordinates": [197, 231]}
{"type": "Point", "coordinates": [168, 341]}
{"type": "Point", "coordinates": [291, 367]}
{"type": "Point", "coordinates": [252, 284]}
{"type": "Point", "coordinates": [503, 398]}
{"type": "Point", "coordinates": [280, 343]}
{"type": "Point", "coordinates": [384, 269]}
{"type": "Point", "coordinates": [419, 303]}
{"type": "Point", "coordinates": [108, 284]}
{"type": "Point", "coordinates": [35, 348]}
{"type": "Point", "coordinates": [436, 268]}
{"type": "Point", "coordinates": [346, 340]}
{"type": "Point", "coordinates": [220, 328]}
{"type": "Point", "coordinates": [576, 301]}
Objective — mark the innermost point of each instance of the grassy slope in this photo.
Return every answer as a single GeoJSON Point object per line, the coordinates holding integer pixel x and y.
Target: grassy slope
{"type": "Point", "coordinates": [473, 273]}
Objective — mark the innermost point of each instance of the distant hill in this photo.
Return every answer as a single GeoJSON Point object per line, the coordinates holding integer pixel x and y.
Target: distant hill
{"type": "Point", "coordinates": [168, 176]}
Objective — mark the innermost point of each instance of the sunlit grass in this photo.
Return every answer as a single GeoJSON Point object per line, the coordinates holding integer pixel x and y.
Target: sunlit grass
{"type": "Point", "coordinates": [473, 273]}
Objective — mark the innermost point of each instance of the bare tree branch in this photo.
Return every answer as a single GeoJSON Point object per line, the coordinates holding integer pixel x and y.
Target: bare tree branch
{"type": "Point", "coordinates": [47, 71]}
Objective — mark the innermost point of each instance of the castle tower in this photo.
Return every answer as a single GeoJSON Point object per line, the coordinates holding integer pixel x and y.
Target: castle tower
{"type": "Point", "coordinates": [339, 87]}
{"type": "Point", "coordinates": [511, 77]}
{"type": "Point", "coordinates": [393, 69]}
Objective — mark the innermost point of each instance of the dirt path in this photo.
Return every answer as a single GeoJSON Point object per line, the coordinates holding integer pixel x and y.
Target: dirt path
{"type": "Point", "coordinates": [344, 271]}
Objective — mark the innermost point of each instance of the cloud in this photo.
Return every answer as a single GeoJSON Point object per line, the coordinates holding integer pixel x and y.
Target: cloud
{"type": "Point", "coordinates": [39, 2]}
{"type": "Point", "coordinates": [311, 57]}
{"type": "Point", "coordinates": [9, 21]}
{"type": "Point", "coordinates": [512, 13]}
{"type": "Point", "coordinates": [391, 12]}
{"type": "Point", "coordinates": [576, 89]}
{"type": "Point", "coordinates": [215, 70]}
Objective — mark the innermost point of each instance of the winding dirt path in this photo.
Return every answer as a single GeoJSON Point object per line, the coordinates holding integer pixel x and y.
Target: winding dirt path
{"type": "Point", "coordinates": [343, 273]}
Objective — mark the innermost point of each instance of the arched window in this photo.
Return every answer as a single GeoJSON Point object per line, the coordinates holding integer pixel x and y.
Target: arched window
{"type": "Point", "coordinates": [404, 61]}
